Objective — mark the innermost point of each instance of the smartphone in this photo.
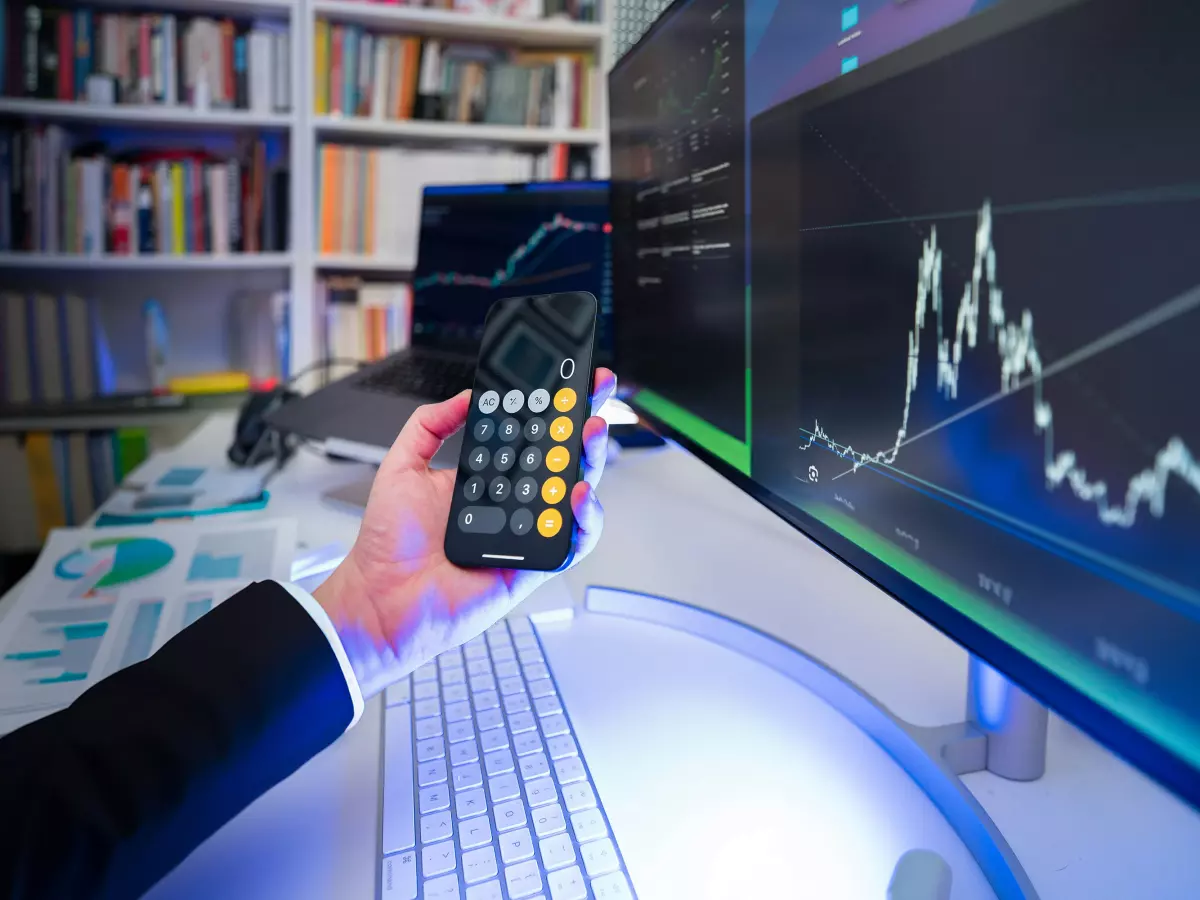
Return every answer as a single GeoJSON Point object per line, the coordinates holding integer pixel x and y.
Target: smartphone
{"type": "Point", "coordinates": [522, 449]}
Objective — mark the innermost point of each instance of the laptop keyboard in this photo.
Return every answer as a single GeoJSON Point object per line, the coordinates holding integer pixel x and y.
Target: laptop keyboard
{"type": "Point", "coordinates": [486, 795]}
{"type": "Point", "coordinates": [425, 376]}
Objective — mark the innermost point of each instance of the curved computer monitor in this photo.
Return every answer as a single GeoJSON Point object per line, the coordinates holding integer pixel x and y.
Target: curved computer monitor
{"type": "Point", "coordinates": [924, 279]}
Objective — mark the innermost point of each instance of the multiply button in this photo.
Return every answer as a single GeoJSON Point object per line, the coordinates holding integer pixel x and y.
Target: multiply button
{"type": "Point", "coordinates": [561, 428]}
{"type": "Point", "coordinates": [557, 458]}
{"type": "Point", "coordinates": [539, 400]}
{"type": "Point", "coordinates": [553, 490]}
{"type": "Point", "coordinates": [564, 400]}
{"type": "Point", "coordinates": [548, 522]}
{"type": "Point", "coordinates": [513, 401]}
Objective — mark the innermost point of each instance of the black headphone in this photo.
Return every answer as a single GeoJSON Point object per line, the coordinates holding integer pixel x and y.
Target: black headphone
{"type": "Point", "coordinates": [253, 440]}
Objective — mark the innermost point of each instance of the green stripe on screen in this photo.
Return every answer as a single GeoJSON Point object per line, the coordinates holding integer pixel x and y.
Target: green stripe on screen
{"type": "Point", "coordinates": [721, 445]}
{"type": "Point", "coordinates": [1152, 717]}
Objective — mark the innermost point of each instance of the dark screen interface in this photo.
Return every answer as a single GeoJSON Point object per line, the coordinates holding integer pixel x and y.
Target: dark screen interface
{"type": "Point", "coordinates": [974, 305]}
{"type": "Point", "coordinates": [480, 243]}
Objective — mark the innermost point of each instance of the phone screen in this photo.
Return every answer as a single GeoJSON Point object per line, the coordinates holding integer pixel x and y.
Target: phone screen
{"type": "Point", "coordinates": [522, 448]}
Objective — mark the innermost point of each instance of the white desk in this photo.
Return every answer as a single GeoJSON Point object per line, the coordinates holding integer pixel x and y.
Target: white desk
{"type": "Point", "coordinates": [1092, 827]}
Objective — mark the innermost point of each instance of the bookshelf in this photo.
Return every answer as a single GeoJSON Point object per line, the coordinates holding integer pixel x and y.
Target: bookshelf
{"type": "Point", "coordinates": [353, 262]}
{"type": "Point", "coordinates": [148, 262]}
{"type": "Point", "coordinates": [148, 116]}
{"type": "Point", "coordinates": [361, 130]}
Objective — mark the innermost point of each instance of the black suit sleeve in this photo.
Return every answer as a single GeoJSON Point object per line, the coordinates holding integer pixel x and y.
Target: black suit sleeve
{"type": "Point", "coordinates": [105, 797]}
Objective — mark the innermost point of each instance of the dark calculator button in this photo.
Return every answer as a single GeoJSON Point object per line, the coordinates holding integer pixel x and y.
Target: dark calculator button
{"type": "Point", "coordinates": [479, 458]}
{"type": "Point", "coordinates": [481, 519]}
{"type": "Point", "coordinates": [473, 489]}
{"type": "Point", "coordinates": [531, 458]}
{"type": "Point", "coordinates": [504, 459]}
{"type": "Point", "coordinates": [527, 490]}
{"type": "Point", "coordinates": [521, 521]}
{"type": "Point", "coordinates": [535, 429]}
{"type": "Point", "coordinates": [510, 429]}
{"type": "Point", "coordinates": [499, 489]}
{"type": "Point", "coordinates": [484, 429]}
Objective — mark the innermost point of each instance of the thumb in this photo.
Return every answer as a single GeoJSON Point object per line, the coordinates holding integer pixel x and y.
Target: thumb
{"type": "Point", "coordinates": [425, 430]}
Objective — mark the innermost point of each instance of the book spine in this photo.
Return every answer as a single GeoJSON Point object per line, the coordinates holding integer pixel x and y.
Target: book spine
{"type": "Point", "coordinates": [321, 67]}
{"type": "Point", "coordinates": [83, 52]}
{"type": "Point", "coordinates": [66, 57]}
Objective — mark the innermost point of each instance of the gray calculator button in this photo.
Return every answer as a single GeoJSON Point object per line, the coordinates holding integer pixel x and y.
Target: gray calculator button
{"type": "Point", "coordinates": [513, 401]}
{"type": "Point", "coordinates": [481, 519]}
{"type": "Point", "coordinates": [489, 402]}
{"type": "Point", "coordinates": [499, 489]}
{"type": "Point", "coordinates": [505, 457]}
{"type": "Point", "coordinates": [539, 400]}
{"type": "Point", "coordinates": [484, 429]}
{"type": "Point", "coordinates": [521, 521]}
{"type": "Point", "coordinates": [479, 458]}
{"type": "Point", "coordinates": [473, 489]}
{"type": "Point", "coordinates": [531, 458]}
{"type": "Point", "coordinates": [510, 429]}
{"type": "Point", "coordinates": [535, 429]}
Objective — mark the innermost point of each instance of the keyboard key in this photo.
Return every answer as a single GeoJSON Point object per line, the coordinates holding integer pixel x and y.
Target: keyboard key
{"type": "Point", "coordinates": [529, 657]}
{"type": "Point", "coordinates": [534, 766]}
{"type": "Point", "coordinates": [468, 776]}
{"type": "Point", "coordinates": [523, 879]}
{"type": "Point", "coordinates": [599, 857]}
{"type": "Point", "coordinates": [547, 706]}
{"type": "Point", "coordinates": [539, 687]}
{"type": "Point", "coordinates": [430, 773]}
{"type": "Point", "coordinates": [578, 796]}
{"type": "Point", "coordinates": [588, 825]}
{"type": "Point", "coordinates": [527, 742]}
{"type": "Point", "coordinates": [569, 769]}
{"type": "Point", "coordinates": [475, 832]}
{"type": "Point", "coordinates": [540, 791]}
{"type": "Point", "coordinates": [519, 722]}
{"type": "Point", "coordinates": [425, 689]}
{"type": "Point", "coordinates": [515, 703]}
{"type": "Point", "coordinates": [473, 651]}
{"type": "Point", "coordinates": [489, 718]}
{"type": "Point", "coordinates": [516, 846]}
{"type": "Point", "coordinates": [524, 641]}
{"type": "Point", "coordinates": [469, 803]}
{"type": "Point", "coordinates": [443, 888]}
{"type": "Point", "coordinates": [563, 745]}
{"type": "Point", "coordinates": [495, 631]}
{"type": "Point", "coordinates": [400, 692]}
{"type": "Point", "coordinates": [484, 682]}
{"type": "Point", "coordinates": [464, 752]}
{"type": "Point", "coordinates": [460, 731]}
{"type": "Point", "coordinates": [479, 666]}
{"type": "Point", "coordinates": [489, 890]}
{"type": "Point", "coordinates": [449, 659]}
{"type": "Point", "coordinates": [557, 851]}
{"type": "Point", "coordinates": [552, 725]}
{"type": "Point", "coordinates": [434, 748]}
{"type": "Point", "coordinates": [503, 653]}
{"type": "Point", "coordinates": [520, 625]}
{"type": "Point", "coordinates": [486, 700]}
{"type": "Point", "coordinates": [432, 799]}
{"type": "Point", "coordinates": [436, 827]}
{"type": "Point", "coordinates": [456, 712]}
{"type": "Point", "coordinates": [400, 877]}
{"type": "Point", "coordinates": [548, 820]}
{"type": "Point", "coordinates": [507, 670]}
{"type": "Point", "coordinates": [611, 887]}
{"type": "Point", "coordinates": [480, 864]}
{"type": "Point", "coordinates": [454, 693]}
{"type": "Point", "coordinates": [509, 815]}
{"type": "Point", "coordinates": [427, 672]}
{"type": "Point", "coordinates": [498, 762]}
{"type": "Point", "coordinates": [399, 826]}
{"type": "Point", "coordinates": [423, 709]}
{"type": "Point", "coordinates": [493, 739]}
{"type": "Point", "coordinates": [429, 728]}
{"type": "Point", "coordinates": [567, 884]}
{"type": "Point", "coordinates": [438, 858]}
{"type": "Point", "coordinates": [454, 676]}
{"type": "Point", "coordinates": [504, 787]}
{"type": "Point", "coordinates": [513, 685]}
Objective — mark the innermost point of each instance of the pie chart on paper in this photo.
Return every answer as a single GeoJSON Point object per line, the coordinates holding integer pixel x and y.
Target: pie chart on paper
{"type": "Point", "coordinates": [112, 562]}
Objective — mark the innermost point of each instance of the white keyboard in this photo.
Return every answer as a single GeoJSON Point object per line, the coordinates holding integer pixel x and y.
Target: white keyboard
{"type": "Point", "coordinates": [485, 793]}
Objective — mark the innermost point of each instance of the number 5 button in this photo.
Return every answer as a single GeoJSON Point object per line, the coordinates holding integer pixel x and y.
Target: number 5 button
{"type": "Point", "coordinates": [561, 428]}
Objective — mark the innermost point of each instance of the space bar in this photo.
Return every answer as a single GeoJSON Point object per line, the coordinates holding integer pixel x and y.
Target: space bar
{"type": "Point", "coordinates": [399, 817]}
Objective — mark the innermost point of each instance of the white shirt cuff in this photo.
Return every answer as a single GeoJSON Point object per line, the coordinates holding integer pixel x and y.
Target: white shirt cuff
{"type": "Point", "coordinates": [318, 615]}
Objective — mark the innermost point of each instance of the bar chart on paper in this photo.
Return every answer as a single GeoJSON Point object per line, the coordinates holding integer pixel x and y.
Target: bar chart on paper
{"type": "Point", "coordinates": [245, 555]}
{"type": "Point", "coordinates": [53, 647]}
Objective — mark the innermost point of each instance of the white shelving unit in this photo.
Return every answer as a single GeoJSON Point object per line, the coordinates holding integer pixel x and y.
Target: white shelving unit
{"type": "Point", "coordinates": [304, 130]}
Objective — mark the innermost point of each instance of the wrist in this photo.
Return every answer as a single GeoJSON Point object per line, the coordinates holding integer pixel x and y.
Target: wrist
{"type": "Point", "coordinates": [346, 599]}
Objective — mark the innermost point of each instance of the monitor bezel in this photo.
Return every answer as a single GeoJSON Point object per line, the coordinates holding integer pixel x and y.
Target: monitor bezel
{"type": "Point", "coordinates": [1114, 733]}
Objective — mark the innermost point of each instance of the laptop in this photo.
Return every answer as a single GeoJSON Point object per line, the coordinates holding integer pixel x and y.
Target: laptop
{"type": "Point", "coordinates": [477, 243]}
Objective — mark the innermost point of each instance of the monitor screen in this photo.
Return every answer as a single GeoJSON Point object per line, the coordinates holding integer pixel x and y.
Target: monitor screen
{"type": "Point", "coordinates": [479, 243]}
{"type": "Point", "coordinates": [972, 297]}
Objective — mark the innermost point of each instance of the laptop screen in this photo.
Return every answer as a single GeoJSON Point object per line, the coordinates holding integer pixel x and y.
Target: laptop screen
{"type": "Point", "coordinates": [479, 243]}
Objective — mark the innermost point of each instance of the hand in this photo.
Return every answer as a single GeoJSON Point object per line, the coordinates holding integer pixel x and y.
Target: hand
{"type": "Point", "coordinates": [396, 601]}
